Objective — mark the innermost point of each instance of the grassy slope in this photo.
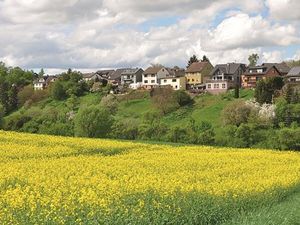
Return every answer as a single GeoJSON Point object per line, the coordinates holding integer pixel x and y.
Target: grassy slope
{"type": "Point", "coordinates": [206, 108]}
{"type": "Point", "coordinates": [284, 213]}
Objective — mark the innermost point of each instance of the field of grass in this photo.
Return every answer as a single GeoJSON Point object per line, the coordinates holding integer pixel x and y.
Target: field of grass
{"type": "Point", "coordinates": [56, 180]}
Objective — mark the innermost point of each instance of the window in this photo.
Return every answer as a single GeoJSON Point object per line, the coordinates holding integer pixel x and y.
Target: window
{"type": "Point", "coordinates": [145, 75]}
{"type": "Point", "coordinates": [174, 80]}
{"type": "Point", "coordinates": [152, 75]}
{"type": "Point", "coordinates": [189, 80]}
{"type": "Point", "coordinates": [216, 86]}
{"type": "Point", "coordinates": [193, 80]}
{"type": "Point", "coordinates": [209, 86]}
{"type": "Point", "coordinates": [152, 81]}
{"type": "Point", "coordinates": [176, 87]}
{"type": "Point", "coordinates": [224, 86]}
{"type": "Point", "coordinates": [165, 81]}
{"type": "Point", "coordinates": [146, 82]}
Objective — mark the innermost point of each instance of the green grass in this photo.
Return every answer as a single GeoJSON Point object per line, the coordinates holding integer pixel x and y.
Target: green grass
{"type": "Point", "coordinates": [283, 213]}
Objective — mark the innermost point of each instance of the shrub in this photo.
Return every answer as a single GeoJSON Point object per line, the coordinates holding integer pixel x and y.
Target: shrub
{"type": "Point", "coordinates": [111, 103]}
{"type": "Point", "coordinates": [57, 91]}
{"type": "Point", "coordinates": [125, 129]}
{"type": "Point", "coordinates": [183, 98]}
{"type": "Point", "coordinates": [164, 100]}
{"type": "Point", "coordinates": [236, 113]}
{"type": "Point", "coordinates": [92, 121]}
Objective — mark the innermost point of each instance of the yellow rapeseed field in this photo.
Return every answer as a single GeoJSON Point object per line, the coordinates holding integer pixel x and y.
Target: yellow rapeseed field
{"type": "Point", "coordinates": [58, 180]}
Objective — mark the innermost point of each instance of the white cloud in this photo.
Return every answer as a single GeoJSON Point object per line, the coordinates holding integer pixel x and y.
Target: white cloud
{"type": "Point", "coordinates": [284, 9]}
{"type": "Point", "coordinates": [271, 57]}
{"type": "Point", "coordinates": [244, 31]}
{"type": "Point", "coordinates": [107, 33]}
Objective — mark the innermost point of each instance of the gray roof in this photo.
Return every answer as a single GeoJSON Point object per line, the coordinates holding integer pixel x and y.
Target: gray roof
{"type": "Point", "coordinates": [131, 71]}
{"type": "Point", "coordinates": [295, 71]}
{"type": "Point", "coordinates": [266, 67]}
{"type": "Point", "coordinates": [117, 74]}
{"type": "Point", "coordinates": [283, 68]}
{"type": "Point", "coordinates": [88, 75]}
{"type": "Point", "coordinates": [229, 68]}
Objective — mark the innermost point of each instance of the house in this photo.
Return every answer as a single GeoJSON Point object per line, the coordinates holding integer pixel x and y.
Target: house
{"type": "Point", "coordinates": [224, 77]}
{"type": "Point", "coordinates": [43, 82]}
{"type": "Point", "coordinates": [255, 73]}
{"type": "Point", "coordinates": [152, 76]}
{"type": "Point", "coordinates": [40, 83]}
{"type": "Point", "coordinates": [196, 74]}
{"type": "Point", "coordinates": [294, 75]}
{"type": "Point", "coordinates": [90, 77]}
{"type": "Point", "coordinates": [132, 76]}
{"type": "Point", "coordinates": [176, 79]}
{"type": "Point", "coordinates": [283, 68]}
{"type": "Point", "coordinates": [115, 78]}
{"type": "Point", "coordinates": [105, 74]}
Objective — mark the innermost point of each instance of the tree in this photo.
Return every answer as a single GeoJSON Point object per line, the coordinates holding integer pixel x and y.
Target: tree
{"type": "Point", "coordinates": [265, 89]}
{"type": "Point", "coordinates": [183, 98]}
{"type": "Point", "coordinates": [205, 59]}
{"type": "Point", "coordinates": [4, 94]}
{"type": "Point", "coordinates": [164, 100]}
{"type": "Point", "coordinates": [253, 59]}
{"type": "Point", "coordinates": [57, 91]}
{"type": "Point", "coordinates": [94, 122]}
{"type": "Point", "coordinates": [2, 113]}
{"type": "Point", "coordinates": [110, 102]}
{"type": "Point", "coordinates": [13, 98]}
{"type": "Point", "coordinates": [41, 73]}
{"type": "Point", "coordinates": [192, 60]}
{"type": "Point", "coordinates": [237, 91]}
{"type": "Point", "coordinates": [25, 94]}
{"type": "Point", "coordinates": [236, 113]}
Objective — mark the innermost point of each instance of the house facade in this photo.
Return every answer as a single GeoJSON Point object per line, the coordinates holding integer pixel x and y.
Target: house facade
{"type": "Point", "coordinates": [293, 76]}
{"type": "Point", "coordinates": [177, 83]}
{"type": "Point", "coordinates": [132, 76]}
{"type": "Point", "coordinates": [256, 73]}
{"type": "Point", "coordinates": [115, 77]}
{"type": "Point", "coordinates": [43, 82]}
{"type": "Point", "coordinates": [197, 73]}
{"type": "Point", "coordinates": [90, 77]}
{"type": "Point", "coordinates": [152, 76]}
{"type": "Point", "coordinates": [40, 84]}
{"type": "Point", "coordinates": [224, 77]}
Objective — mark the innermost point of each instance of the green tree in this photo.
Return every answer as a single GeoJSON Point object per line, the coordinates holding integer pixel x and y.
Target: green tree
{"type": "Point", "coordinates": [4, 94]}
{"type": "Point", "coordinates": [266, 89]}
{"type": "Point", "coordinates": [253, 59]}
{"type": "Point", "coordinates": [94, 122]}
{"type": "Point", "coordinates": [183, 98]}
{"type": "Point", "coordinates": [237, 91]}
{"type": "Point", "coordinates": [205, 59]}
{"type": "Point", "coordinates": [236, 113]}
{"type": "Point", "coordinates": [164, 99]}
{"type": "Point", "coordinates": [25, 94]}
{"type": "Point", "coordinates": [13, 98]}
{"type": "Point", "coordinates": [2, 113]}
{"type": "Point", "coordinates": [192, 60]}
{"type": "Point", "coordinates": [57, 91]}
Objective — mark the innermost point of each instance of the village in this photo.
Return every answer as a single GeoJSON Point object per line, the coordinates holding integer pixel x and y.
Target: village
{"type": "Point", "coordinates": [199, 77]}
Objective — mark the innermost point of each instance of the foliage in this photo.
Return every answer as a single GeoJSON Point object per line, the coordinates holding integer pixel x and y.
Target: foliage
{"type": "Point", "coordinates": [58, 92]}
{"type": "Point", "coordinates": [110, 102]}
{"type": "Point", "coordinates": [127, 129]}
{"type": "Point", "coordinates": [265, 89]}
{"type": "Point", "coordinates": [192, 60]}
{"type": "Point", "coordinates": [236, 113]}
{"type": "Point", "coordinates": [93, 121]}
{"type": "Point", "coordinates": [253, 59]}
{"type": "Point", "coordinates": [164, 99]}
{"type": "Point", "coordinates": [183, 98]}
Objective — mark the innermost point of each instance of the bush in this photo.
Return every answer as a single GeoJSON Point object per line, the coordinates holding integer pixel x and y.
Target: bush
{"type": "Point", "coordinates": [25, 94]}
{"type": "Point", "coordinates": [125, 129]}
{"type": "Point", "coordinates": [288, 139]}
{"type": "Point", "coordinates": [92, 121]}
{"type": "Point", "coordinates": [236, 113]}
{"type": "Point", "coordinates": [57, 91]}
{"type": "Point", "coordinates": [183, 98]}
{"type": "Point", "coordinates": [111, 103]}
{"type": "Point", "coordinates": [164, 100]}
{"type": "Point", "coordinates": [155, 131]}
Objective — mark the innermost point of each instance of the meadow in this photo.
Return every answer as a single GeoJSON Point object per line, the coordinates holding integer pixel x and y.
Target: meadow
{"type": "Point", "coordinates": [58, 180]}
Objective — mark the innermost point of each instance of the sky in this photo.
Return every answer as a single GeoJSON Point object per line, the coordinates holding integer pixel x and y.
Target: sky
{"type": "Point", "coordinates": [92, 34]}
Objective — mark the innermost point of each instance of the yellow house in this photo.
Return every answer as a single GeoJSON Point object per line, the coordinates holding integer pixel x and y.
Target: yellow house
{"type": "Point", "coordinates": [197, 73]}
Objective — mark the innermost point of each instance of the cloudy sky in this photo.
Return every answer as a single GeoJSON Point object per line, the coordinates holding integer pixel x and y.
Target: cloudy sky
{"type": "Point", "coordinates": [89, 34]}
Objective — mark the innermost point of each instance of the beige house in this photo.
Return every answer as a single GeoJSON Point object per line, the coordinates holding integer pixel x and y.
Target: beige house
{"type": "Point", "coordinates": [197, 73]}
{"type": "Point", "coordinates": [177, 83]}
{"type": "Point", "coordinates": [151, 76]}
